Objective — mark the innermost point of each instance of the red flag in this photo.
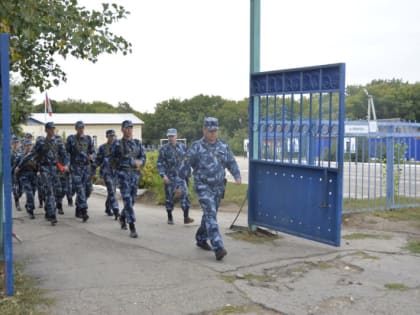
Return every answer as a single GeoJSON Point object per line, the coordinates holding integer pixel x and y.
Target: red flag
{"type": "Point", "coordinates": [48, 108]}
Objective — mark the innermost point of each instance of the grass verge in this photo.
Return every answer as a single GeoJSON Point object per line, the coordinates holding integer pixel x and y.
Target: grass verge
{"type": "Point", "coordinates": [27, 298]}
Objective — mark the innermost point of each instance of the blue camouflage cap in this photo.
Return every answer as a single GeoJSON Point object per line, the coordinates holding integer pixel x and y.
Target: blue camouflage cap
{"type": "Point", "coordinates": [28, 135]}
{"type": "Point", "coordinates": [211, 123]}
{"type": "Point", "coordinates": [49, 125]}
{"type": "Point", "coordinates": [15, 139]}
{"type": "Point", "coordinates": [110, 132]}
{"type": "Point", "coordinates": [127, 124]}
{"type": "Point", "coordinates": [79, 124]}
{"type": "Point", "coordinates": [171, 132]}
{"type": "Point", "coordinates": [27, 142]}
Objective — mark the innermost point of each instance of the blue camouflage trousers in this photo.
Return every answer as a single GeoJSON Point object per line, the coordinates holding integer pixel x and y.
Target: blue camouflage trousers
{"type": "Point", "coordinates": [170, 189]}
{"type": "Point", "coordinates": [82, 184]}
{"type": "Point", "coordinates": [27, 181]}
{"type": "Point", "coordinates": [209, 197]}
{"type": "Point", "coordinates": [51, 188]}
{"type": "Point", "coordinates": [129, 181]}
{"type": "Point", "coordinates": [111, 203]}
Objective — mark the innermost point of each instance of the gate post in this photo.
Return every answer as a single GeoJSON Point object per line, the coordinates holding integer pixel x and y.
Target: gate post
{"type": "Point", "coordinates": [389, 169]}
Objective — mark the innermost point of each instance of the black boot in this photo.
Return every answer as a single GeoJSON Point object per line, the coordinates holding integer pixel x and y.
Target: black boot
{"type": "Point", "coordinates": [187, 219]}
{"type": "Point", "coordinates": [78, 213]}
{"type": "Point", "coordinates": [60, 208]}
{"type": "Point", "coordinates": [116, 214]}
{"type": "Point", "coordinates": [85, 216]}
{"type": "Point", "coordinates": [133, 233]}
{"type": "Point", "coordinates": [122, 222]}
{"type": "Point", "coordinates": [17, 204]}
{"type": "Point", "coordinates": [70, 202]}
{"type": "Point", "coordinates": [170, 218]}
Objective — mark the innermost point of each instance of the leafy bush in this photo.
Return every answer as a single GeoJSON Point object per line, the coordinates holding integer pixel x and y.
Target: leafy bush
{"type": "Point", "coordinates": [152, 181]}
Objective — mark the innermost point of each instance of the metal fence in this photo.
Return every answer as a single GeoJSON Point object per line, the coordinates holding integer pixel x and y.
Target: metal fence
{"type": "Point", "coordinates": [382, 169]}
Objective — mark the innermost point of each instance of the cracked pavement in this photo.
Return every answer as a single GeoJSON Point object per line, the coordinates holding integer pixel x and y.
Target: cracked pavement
{"type": "Point", "coordinates": [95, 268]}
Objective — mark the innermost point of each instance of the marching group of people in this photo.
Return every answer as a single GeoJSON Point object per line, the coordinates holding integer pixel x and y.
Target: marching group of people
{"type": "Point", "coordinates": [55, 169]}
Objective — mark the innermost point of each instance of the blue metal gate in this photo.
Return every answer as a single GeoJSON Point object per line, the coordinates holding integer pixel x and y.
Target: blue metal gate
{"type": "Point", "coordinates": [296, 151]}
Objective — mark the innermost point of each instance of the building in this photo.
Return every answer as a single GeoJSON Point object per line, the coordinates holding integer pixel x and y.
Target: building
{"type": "Point", "coordinates": [95, 124]}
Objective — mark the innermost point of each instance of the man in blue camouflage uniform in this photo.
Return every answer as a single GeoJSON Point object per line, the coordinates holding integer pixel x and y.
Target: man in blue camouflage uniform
{"type": "Point", "coordinates": [26, 174]}
{"type": "Point", "coordinates": [129, 157]}
{"type": "Point", "coordinates": [48, 152]}
{"type": "Point", "coordinates": [168, 163]}
{"type": "Point", "coordinates": [39, 187]}
{"type": "Point", "coordinates": [81, 151]}
{"type": "Point", "coordinates": [109, 174]}
{"type": "Point", "coordinates": [63, 177]}
{"type": "Point", "coordinates": [16, 152]}
{"type": "Point", "coordinates": [208, 158]}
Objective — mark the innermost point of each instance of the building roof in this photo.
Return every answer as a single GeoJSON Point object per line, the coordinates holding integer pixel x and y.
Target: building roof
{"type": "Point", "coordinates": [89, 119]}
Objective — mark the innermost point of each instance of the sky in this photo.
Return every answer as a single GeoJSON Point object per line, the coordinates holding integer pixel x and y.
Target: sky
{"type": "Point", "coordinates": [183, 48]}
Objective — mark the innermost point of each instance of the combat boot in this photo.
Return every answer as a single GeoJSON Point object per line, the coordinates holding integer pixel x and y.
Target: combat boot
{"type": "Point", "coordinates": [78, 213]}
{"type": "Point", "coordinates": [85, 216]}
{"type": "Point", "coordinates": [31, 214]}
{"type": "Point", "coordinates": [60, 208]}
{"type": "Point", "coordinates": [41, 204]}
{"type": "Point", "coordinates": [187, 219]}
{"type": "Point", "coordinates": [170, 218]}
{"type": "Point", "coordinates": [220, 253]}
{"type": "Point", "coordinates": [17, 204]}
{"type": "Point", "coordinates": [122, 222]}
{"type": "Point", "coordinates": [133, 233]}
{"type": "Point", "coordinates": [70, 202]}
{"type": "Point", "coordinates": [53, 220]}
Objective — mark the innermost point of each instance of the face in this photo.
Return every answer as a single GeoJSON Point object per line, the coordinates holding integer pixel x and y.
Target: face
{"type": "Point", "coordinates": [28, 148]}
{"type": "Point", "coordinates": [210, 136]}
{"type": "Point", "coordinates": [111, 139]}
{"type": "Point", "coordinates": [127, 132]}
{"type": "Point", "coordinates": [172, 139]}
{"type": "Point", "coordinates": [50, 132]}
{"type": "Point", "coordinates": [80, 130]}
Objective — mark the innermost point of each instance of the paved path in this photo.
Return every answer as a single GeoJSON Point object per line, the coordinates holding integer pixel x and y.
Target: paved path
{"type": "Point", "coordinates": [95, 268]}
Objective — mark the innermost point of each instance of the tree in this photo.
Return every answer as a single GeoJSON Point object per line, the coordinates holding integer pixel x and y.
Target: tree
{"type": "Point", "coordinates": [44, 29]}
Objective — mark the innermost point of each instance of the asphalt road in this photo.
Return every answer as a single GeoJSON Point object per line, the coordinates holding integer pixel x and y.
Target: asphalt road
{"type": "Point", "coordinates": [95, 268]}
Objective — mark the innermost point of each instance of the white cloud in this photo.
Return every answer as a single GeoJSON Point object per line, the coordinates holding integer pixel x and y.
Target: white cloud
{"type": "Point", "coordinates": [182, 48]}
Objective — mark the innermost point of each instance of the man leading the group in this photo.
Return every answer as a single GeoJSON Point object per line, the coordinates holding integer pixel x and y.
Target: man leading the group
{"type": "Point", "coordinates": [169, 160]}
{"type": "Point", "coordinates": [208, 157]}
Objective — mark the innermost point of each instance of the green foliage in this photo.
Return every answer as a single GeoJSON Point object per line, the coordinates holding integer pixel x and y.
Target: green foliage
{"type": "Point", "coordinates": [42, 30]}
{"type": "Point", "coordinates": [393, 99]}
{"type": "Point", "coordinates": [187, 116]}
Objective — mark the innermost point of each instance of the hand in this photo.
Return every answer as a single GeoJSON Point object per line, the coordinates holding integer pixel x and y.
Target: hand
{"type": "Point", "coordinates": [17, 170]}
{"type": "Point", "coordinates": [238, 181]}
{"type": "Point", "coordinates": [138, 163]}
{"type": "Point", "coordinates": [166, 180]}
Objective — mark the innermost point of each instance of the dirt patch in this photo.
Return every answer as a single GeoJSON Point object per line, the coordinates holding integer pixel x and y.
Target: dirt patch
{"type": "Point", "coordinates": [373, 222]}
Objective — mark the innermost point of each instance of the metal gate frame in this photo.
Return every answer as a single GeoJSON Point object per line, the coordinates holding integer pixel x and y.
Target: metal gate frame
{"type": "Point", "coordinates": [292, 187]}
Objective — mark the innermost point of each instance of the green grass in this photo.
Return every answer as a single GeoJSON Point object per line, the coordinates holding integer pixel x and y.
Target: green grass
{"type": "Point", "coordinates": [396, 286]}
{"type": "Point", "coordinates": [381, 203]}
{"type": "Point", "coordinates": [27, 298]}
{"type": "Point", "coordinates": [255, 237]}
{"type": "Point", "coordinates": [359, 236]}
{"type": "Point", "coordinates": [236, 194]}
{"type": "Point", "coordinates": [407, 214]}
{"type": "Point", "coordinates": [413, 246]}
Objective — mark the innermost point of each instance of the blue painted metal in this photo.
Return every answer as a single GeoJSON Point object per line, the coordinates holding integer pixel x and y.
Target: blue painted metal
{"type": "Point", "coordinates": [7, 188]}
{"type": "Point", "coordinates": [296, 148]}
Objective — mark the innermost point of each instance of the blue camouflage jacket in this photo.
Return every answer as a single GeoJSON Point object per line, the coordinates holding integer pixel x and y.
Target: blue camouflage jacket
{"type": "Point", "coordinates": [125, 152]}
{"type": "Point", "coordinates": [79, 148]}
{"type": "Point", "coordinates": [48, 151]}
{"type": "Point", "coordinates": [170, 158]}
{"type": "Point", "coordinates": [208, 162]}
